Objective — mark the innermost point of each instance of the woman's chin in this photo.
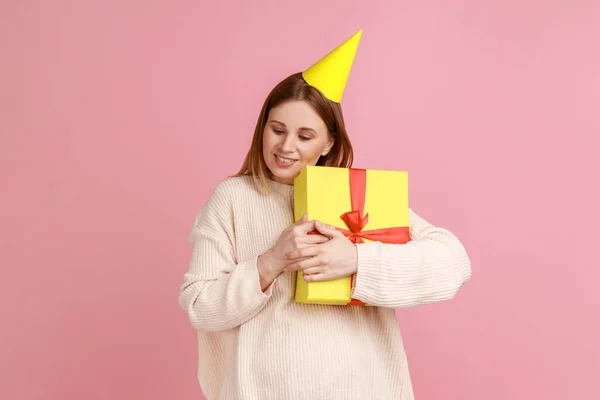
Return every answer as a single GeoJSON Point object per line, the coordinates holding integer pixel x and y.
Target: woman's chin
{"type": "Point", "coordinates": [285, 177]}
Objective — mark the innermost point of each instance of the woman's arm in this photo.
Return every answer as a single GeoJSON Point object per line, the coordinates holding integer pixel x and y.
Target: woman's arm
{"type": "Point", "coordinates": [430, 268]}
{"type": "Point", "coordinates": [218, 291]}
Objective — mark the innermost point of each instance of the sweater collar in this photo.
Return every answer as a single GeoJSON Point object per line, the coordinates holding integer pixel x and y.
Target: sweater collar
{"type": "Point", "coordinates": [281, 188]}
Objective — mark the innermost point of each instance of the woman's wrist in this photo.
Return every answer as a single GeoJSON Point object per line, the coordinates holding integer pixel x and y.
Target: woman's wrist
{"type": "Point", "coordinates": [266, 269]}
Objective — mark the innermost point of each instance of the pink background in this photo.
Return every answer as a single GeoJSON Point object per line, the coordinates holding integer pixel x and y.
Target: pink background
{"type": "Point", "coordinates": [118, 117]}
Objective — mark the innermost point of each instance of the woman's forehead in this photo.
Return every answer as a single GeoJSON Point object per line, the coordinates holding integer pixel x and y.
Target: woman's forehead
{"type": "Point", "coordinates": [297, 114]}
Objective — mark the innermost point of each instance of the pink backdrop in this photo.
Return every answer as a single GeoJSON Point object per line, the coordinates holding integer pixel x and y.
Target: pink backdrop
{"type": "Point", "coordinates": [118, 117]}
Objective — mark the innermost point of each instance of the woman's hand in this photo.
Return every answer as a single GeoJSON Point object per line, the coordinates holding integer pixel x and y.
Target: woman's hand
{"type": "Point", "coordinates": [272, 262]}
{"type": "Point", "coordinates": [333, 259]}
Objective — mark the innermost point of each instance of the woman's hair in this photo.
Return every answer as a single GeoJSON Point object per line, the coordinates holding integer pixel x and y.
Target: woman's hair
{"type": "Point", "coordinates": [295, 87]}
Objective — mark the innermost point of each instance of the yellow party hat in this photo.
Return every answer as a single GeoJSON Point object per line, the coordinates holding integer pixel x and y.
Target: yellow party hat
{"type": "Point", "coordinates": [330, 73]}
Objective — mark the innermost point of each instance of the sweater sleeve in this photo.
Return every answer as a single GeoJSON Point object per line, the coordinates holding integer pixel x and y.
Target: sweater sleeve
{"type": "Point", "coordinates": [218, 291]}
{"type": "Point", "coordinates": [430, 268]}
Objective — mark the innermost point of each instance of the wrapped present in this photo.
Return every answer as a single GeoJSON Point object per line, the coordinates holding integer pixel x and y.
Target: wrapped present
{"type": "Point", "coordinates": [366, 205]}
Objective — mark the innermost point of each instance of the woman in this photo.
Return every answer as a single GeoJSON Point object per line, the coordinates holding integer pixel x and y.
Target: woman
{"type": "Point", "coordinates": [255, 341]}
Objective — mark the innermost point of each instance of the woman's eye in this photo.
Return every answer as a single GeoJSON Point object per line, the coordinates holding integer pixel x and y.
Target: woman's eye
{"type": "Point", "coordinates": [278, 131]}
{"type": "Point", "coordinates": [304, 138]}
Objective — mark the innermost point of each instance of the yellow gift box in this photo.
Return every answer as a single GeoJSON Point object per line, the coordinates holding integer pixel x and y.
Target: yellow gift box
{"type": "Point", "coordinates": [364, 204]}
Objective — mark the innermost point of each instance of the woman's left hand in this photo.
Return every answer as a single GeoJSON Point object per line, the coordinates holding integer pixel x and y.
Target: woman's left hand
{"type": "Point", "coordinates": [333, 259]}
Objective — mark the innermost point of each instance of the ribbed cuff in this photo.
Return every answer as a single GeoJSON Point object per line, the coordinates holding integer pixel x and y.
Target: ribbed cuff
{"type": "Point", "coordinates": [364, 284]}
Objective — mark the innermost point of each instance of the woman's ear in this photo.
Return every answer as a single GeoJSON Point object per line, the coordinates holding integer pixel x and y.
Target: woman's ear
{"type": "Point", "coordinates": [327, 149]}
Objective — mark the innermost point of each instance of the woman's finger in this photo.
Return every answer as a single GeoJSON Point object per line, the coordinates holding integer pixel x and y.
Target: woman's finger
{"type": "Point", "coordinates": [314, 270]}
{"type": "Point", "coordinates": [304, 264]}
{"type": "Point", "coordinates": [315, 238]}
{"type": "Point", "coordinates": [327, 230]}
{"type": "Point", "coordinates": [303, 227]}
{"type": "Point", "coordinates": [302, 252]}
{"type": "Point", "coordinates": [317, 277]}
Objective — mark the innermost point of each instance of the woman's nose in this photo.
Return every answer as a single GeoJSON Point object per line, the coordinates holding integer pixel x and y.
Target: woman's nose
{"type": "Point", "coordinates": [288, 143]}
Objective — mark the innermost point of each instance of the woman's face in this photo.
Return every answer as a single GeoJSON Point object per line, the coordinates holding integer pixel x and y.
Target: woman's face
{"type": "Point", "coordinates": [295, 136]}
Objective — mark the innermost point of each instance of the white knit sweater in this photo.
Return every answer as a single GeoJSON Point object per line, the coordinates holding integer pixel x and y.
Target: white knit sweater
{"type": "Point", "coordinates": [263, 346]}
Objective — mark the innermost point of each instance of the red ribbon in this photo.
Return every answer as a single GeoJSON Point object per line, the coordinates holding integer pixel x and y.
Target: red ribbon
{"type": "Point", "coordinates": [355, 221]}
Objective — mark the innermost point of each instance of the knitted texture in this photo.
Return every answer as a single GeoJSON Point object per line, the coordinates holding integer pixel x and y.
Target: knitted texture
{"type": "Point", "coordinates": [261, 346]}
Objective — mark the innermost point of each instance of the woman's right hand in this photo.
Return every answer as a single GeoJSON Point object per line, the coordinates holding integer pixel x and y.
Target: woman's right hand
{"type": "Point", "coordinates": [273, 261]}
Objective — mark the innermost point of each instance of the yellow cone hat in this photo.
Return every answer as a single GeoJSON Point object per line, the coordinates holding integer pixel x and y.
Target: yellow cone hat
{"type": "Point", "coordinates": [331, 72]}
